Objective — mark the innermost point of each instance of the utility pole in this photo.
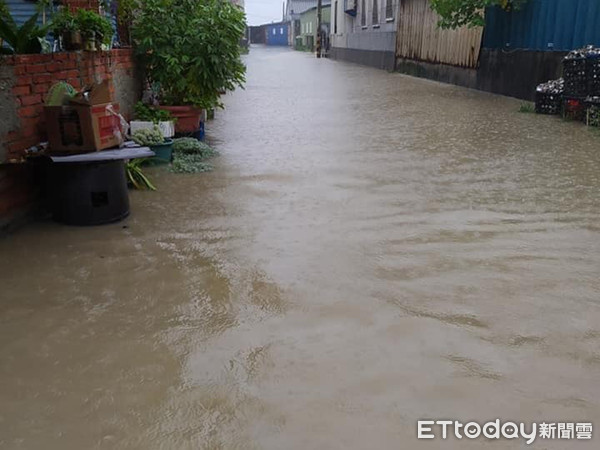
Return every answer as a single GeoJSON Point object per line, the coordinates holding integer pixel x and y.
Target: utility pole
{"type": "Point", "coordinates": [319, 7]}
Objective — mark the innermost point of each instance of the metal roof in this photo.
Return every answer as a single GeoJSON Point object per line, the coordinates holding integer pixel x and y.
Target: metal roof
{"type": "Point", "coordinates": [296, 7]}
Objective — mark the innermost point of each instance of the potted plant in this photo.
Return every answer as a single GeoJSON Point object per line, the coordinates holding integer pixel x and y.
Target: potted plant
{"type": "Point", "coordinates": [191, 50]}
{"type": "Point", "coordinates": [66, 29]}
{"type": "Point", "coordinates": [153, 138]}
{"type": "Point", "coordinates": [96, 29]}
{"type": "Point", "coordinates": [148, 116]}
{"type": "Point", "coordinates": [104, 33]}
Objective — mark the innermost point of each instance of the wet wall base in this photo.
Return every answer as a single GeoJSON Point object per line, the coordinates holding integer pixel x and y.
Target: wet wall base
{"type": "Point", "coordinates": [443, 73]}
{"type": "Point", "coordinates": [517, 73]}
{"type": "Point", "coordinates": [514, 73]}
{"type": "Point", "coordinates": [373, 58]}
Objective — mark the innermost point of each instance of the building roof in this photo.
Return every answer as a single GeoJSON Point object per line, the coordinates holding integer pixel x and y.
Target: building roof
{"type": "Point", "coordinates": [296, 7]}
{"type": "Point", "coordinates": [328, 5]}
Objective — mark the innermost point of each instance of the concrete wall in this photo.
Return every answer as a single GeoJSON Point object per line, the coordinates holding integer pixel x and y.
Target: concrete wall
{"type": "Point", "coordinates": [515, 74]}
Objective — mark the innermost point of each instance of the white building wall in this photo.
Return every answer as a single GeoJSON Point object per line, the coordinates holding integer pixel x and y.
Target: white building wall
{"type": "Point", "coordinates": [375, 37]}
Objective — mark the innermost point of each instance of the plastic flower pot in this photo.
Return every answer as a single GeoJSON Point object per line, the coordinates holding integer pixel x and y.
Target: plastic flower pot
{"type": "Point", "coordinates": [188, 117]}
{"type": "Point", "coordinates": [163, 152]}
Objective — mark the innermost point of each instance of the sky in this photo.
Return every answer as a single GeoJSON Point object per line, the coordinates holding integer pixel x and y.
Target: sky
{"type": "Point", "coordinates": [263, 11]}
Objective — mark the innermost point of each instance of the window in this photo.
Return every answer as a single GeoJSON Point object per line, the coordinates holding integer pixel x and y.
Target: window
{"type": "Point", "coordinates": [389, 11]}
{"type": "Point", "coordinates": [281, 30]}
{"type": "Point", "coordinates": [310, 27]}
{"type": "Point", "coordinates": [274, 31]}
{"type": "Point", "coordinates": [335, 18]}
{"type": "Point", "coordinates": [363, 14]}
{"type": "Point", "coordinates": [375, 16]}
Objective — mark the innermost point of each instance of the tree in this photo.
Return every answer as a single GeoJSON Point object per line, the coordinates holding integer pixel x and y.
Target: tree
{"type": "Point", "coordinates": [190, 48]}
{"type": "Point", "coordinates": [458, 13]}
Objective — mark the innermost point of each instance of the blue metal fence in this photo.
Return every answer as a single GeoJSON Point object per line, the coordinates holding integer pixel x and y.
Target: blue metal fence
{"type": "Point", "coordinates": [551, 25]}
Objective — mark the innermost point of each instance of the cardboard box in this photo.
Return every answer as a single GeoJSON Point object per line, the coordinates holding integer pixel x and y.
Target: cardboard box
{"type": "Point", "coordinates": [90, 122]}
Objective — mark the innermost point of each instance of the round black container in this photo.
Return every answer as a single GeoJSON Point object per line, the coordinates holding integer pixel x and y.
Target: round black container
{"type": "Point", "coordinates": [88, 193]}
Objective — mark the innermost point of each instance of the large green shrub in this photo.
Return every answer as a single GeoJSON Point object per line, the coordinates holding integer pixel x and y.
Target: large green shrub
{"type": "Point", "coordinates": [191, 48]}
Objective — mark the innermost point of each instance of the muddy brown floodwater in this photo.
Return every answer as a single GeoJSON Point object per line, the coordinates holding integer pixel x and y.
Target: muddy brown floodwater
{"type": "Point", "coordinates": [372, 249]}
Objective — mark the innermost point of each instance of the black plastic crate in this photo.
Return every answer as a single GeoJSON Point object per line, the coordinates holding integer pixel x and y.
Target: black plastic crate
{"type": "Point", "coordinates": [575, 73]}
{"type": "Point", "coordinates": [548, 97]}
{"type": "Point", "coordinates": [593, 74]}
{"type": "Point", "coordinates": [548, 103]}
{"type": "Point", "coordinates": [592, 111]}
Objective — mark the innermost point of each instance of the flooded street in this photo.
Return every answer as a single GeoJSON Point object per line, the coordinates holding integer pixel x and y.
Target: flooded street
{"type": "Point", "coordinates": [371, 249]}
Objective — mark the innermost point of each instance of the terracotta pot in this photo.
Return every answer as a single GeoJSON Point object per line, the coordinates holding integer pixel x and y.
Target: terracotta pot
{"type": "Point", "coordinates": [188, 117]}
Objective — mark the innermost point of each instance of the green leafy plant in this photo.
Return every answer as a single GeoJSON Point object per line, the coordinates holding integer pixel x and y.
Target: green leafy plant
{"type": "Point", "coordinates": [29, 38]}
{"type": "Point", "coordinates": [191, 48]}
{"type": "Point", "coordinates": [94, 26]}
{"type": "Point", "coordinates": [64, 22]}
{"type": "Point", "coordinates": [189, 163]}
{"type": "Point", "coordinates": [147, 113]}
{"type": "Point", "coordinates": [526, 108]}
{"type": "Point", "coordinates": [44, 7]}
{"type": "Point", "coordinates": [189, 155]}
{"type": "Point", "coordinates": [152, 136]}
{"type": "Point", "coordinates": [192, 146]}
{"type": "Point", "coordinates": [458, 13]}
{"type": "Point", "coordinates": [4, 9]}
{"type": "Point", "coordinates": [125, 14]}
{"type": "Point", "coordinates": [136, 176]}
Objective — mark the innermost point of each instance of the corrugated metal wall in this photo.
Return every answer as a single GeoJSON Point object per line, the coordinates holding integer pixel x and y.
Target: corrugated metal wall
{"type": "Point", "coordinates": [544, 25]}
{"type": "Point", "coordinates": [420, 38]}
{"type": "Point", "coordinates": [22, 10]}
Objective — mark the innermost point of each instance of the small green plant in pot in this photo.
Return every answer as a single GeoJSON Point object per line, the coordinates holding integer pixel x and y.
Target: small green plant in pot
{"type": "Point", "coordinates": [66, 29]}
{"type": "Point", "coordinates": [95, 29]}
{"type": "Point", "coordinates": [191, 49]}
{"type": "Point", "coordinates": [149, 116]}
{"type": "Point", "coordinates": [153, 138]}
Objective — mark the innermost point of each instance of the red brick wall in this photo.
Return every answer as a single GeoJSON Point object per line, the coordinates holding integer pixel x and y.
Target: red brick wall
{"type": "Point", "coordinates": [35, 74]}
{"type": "Point", "coordinates": [24, 83]}
{"type": "Point", "coordinates": [82, 4]}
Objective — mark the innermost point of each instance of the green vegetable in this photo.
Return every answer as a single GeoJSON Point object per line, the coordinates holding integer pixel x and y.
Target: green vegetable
{"type": "Point", "coordinates": [189, 163]}
{"type": "Point", "coordinates": [188, 145]}
{"type": "Point", "coordinates": [146, 137]}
